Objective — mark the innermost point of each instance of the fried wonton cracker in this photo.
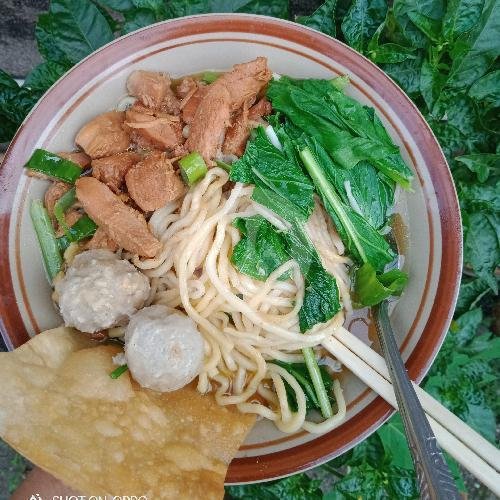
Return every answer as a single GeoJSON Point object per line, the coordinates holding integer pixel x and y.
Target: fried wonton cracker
{"type": "Point", "coordinates": [60, 409]}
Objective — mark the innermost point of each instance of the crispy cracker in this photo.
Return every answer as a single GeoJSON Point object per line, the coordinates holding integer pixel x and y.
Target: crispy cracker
{"type": "Point", "coordinates": [61, 410]}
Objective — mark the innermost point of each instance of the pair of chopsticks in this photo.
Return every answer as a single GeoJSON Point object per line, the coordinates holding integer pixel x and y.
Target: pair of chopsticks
{"type": "Point", "coordinates": [464, 444]}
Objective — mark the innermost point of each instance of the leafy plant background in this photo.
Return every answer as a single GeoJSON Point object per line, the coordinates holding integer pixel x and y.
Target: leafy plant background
{"type": "Point", "coordinates": [444, 55]}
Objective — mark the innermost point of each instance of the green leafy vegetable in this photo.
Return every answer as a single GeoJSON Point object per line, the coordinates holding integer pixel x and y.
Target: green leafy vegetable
{"type": "Point", "coordinates": [348, 131]}
{"type": "Point", "coordinates": [362, 240]}
{"type": "Point", "coordinates": [261, 250]}
{"type": "Point", "coordinates": [210, 76]}
{"type": "Point", "coordinates": [266, 166]}
{"type": "Point", "coordinates": [370, 288]}
{"type": "Point", "coordinates": [54, 166]}
{"type": "Point", "coordinates": [482, 164]}
{"type": "Point", "coordinates": [46, 238]}
{"type": "Point", "coordinates": [301, 373]}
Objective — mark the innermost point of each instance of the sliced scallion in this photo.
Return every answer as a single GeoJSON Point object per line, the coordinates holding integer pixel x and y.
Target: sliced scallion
{"type": "Point", "coordinates": [46, 238]}
{"type": "Point", "coordinates": [54, 166]}
{"type": "Point", "coordinates": [62, 204]}
{"type": "Point", "coordinates": [193, 168]}
{"type": "Point", "coordinates": [83, 228]}
{"type": "Point", "coordinates": [210, 76]}
{"type": "Point", "coordinates": [118, 371]}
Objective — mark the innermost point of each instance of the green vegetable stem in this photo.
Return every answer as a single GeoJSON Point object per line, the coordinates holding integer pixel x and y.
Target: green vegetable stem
{"type": "Point", "coordinates": [83, 228]}
{"type": "Point", "coordinates": [193, 168]}
{"type": "Point", "coordinates": [63, 204]}
{"type": "Point", "coordinates": [53, 166]}
{"type": "Point", "coordinates": [46, 238]}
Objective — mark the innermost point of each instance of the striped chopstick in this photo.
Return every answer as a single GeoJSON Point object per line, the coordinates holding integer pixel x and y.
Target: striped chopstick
{"type": "Point", "coordinates": [464, 444]}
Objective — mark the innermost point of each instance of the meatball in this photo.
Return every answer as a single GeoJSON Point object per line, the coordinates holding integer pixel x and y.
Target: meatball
{"type": "Point", "coordinates": [164, 351]}
{"type": "Point", "coordinates": [100, 291]}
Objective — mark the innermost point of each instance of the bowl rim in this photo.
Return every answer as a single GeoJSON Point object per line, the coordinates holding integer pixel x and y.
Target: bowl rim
{"type": "Point", "coordinates": [325, 447]}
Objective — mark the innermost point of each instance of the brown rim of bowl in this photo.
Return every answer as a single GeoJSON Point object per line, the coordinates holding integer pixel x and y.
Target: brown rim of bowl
{"type": "Point", "coordinates": [370, 418]}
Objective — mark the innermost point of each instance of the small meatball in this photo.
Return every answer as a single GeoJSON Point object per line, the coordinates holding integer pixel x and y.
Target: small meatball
{"type": "Point", "coordinates": [153, 183]}
{"type": "Point", "coordinates": [100, 291]}
{"type": "Point", "coordinates": [53, 193]}
{"type": "Point", "coordinates": [164, 351]}
{"type": "Point", "coordinates": [112, 169]}
{"type": "Point", "coordinates": [126, 226]}
{"type": "Point", "coordinates": [104, 135]}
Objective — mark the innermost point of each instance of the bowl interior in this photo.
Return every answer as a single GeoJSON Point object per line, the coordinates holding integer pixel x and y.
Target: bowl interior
{"type": "Point", "coordinates": [98, 84]}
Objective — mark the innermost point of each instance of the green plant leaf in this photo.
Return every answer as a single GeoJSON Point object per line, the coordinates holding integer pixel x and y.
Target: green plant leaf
{"type": "Point", "coordinates": [460, 17]}
{"type": "Point", "coordinates": [137, 19]}
{"type": "Point", "coordinates": [474, 52]}
{"type": "Point", "coordinates": [276, 8]}
{"type": "Point", "coordinates": [482, 164]}
{"type": "Point", "coordinates": [118, 5]}
{"type": "Point", "coordinates": [322, 19]}
{"type": "Point", "coordinates": [44, 76]}
{"type": "Point", "coordinates": [487, 88]}
{"type": "Point", "coordinates": [431, 84]}
{"type": "Point", "coordinates": [471, 292]}
{"type": "Point", "coordinates": [71, 31]}
{"type": "Point", "coordinates": [395, 444]}
{"type": "Point", "coordinates": [481, 246]}
{"type": "Point", "coordinates": [361, 22]}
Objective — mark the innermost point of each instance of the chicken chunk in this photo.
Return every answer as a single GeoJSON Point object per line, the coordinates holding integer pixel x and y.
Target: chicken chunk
{"type": "Point", "coordinates": [209, 125]}
{"type": "Point", "coordinates": [191, 104]}
{"type": "Point", "coordinates": [53, 193]}
{"type": "Point", "coordinates": [187, 87]}
{"type": "Point", "coordinates": [245, 81]}
{"type": "Point", "coordinates": [78, 157]}
{"type": "Point", "coordinates": [152, 183]}
{"type": "Point", "coordinates": [100, 240]}
{"type": "Point", "coordinates": [245, 119]}
{"type": "Point", "coordinates": [123, 224]}
{"type": "Point", "coordinates": [158, 130]}
{"type": "Point", "coordinates": [153, 90]}
{"type": "Point", "coordinates": [228, 93]}
{"type": "Point", "coordinates": [104, 135]}
{"type": "Point", "coordinates": [112, 169]}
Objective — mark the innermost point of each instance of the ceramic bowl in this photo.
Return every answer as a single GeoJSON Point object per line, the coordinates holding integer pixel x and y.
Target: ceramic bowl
{"type": "Point", "coordinates": [430, 214]}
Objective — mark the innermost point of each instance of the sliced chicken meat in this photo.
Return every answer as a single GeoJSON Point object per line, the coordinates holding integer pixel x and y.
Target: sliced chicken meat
{"type": "Point", "coordinates": [112, 169]}
{"type": "Point", "coordinates": [190, 105]}
{"type": "Point", "coordinates": [101, 239]}
{"type": "Point", "coordinates": [126, 226]}
{"type": "Point", "coordinates": [186, 88]}
{"type": "Point", "coordinates": [228, 93]}
{"type": "Point", "coordinates": [154, 130]}
{"type": "Point", "coordinates": [206, 132]}
{"type": "Point", "coordinates": [104, 135]}
{"type": "Point", "coordinates": [78, 157]}
{"type": "Point", "coordinates": [152, 183]}
{"type": "Point", "coordinates": [238, 133]}
{"type": "Point", "coordinates": [245, 81]}
{"type": "Point", "coordinates": [53, 193]}
{"type": "Point", "coordinates": [153, 90]}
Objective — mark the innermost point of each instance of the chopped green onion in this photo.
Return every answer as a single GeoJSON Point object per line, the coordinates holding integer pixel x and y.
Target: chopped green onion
{"type": "Point", "coordinates": [210, 76]}
{"type": "Point", "coordinates": [62, 204]}
{"type": "Point", "coordinates": [118, 371]}
{"type": "Point", "coordinates": [46, 238]}
{"type": "Point", "coordinates": [83, 228]}
{"type": "Point", "coordinates": [317, 380]}
{"type": "Point", "coordinates": [50, 164]}
{"type": "Point", "coordinates": [224, 165]}
{"type": "Point", "coordinates": [193, 168]}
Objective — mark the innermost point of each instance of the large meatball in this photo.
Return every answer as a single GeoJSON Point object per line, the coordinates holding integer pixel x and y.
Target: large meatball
{"type": "Point", "coordinates": [164, 351]}
{"type": "Point", "coordinates": [100, 291]}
